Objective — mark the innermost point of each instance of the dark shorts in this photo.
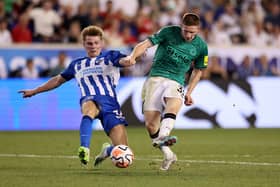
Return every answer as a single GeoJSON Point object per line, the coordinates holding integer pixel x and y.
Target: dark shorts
{"type": "Point", "coordinates": [110, 113]}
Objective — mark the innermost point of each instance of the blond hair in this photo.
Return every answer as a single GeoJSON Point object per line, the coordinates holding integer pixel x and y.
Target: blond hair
{"type": "Point", "coordinates": [92, 30]}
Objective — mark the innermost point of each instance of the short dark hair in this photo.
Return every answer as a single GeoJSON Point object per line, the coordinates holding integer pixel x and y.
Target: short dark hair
{"type": "Point", "coordinates": [191, 19]}
{"type": "Point", "coordinates": [92, 30]}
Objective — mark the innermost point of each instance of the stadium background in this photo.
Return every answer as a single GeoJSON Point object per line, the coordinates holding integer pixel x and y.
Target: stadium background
{"type": "Point", "coordinates": [238, 32]}
{"type": "Point", "coordinates": [236, 102]}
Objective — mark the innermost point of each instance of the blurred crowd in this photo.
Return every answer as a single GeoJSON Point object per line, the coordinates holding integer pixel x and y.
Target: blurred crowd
{"type": "Point", "coordinates": [227, 69]}
{"type": "Point", "coordinates": [126, 22]}
{"type": "Point", "coordinates": [255, 22]}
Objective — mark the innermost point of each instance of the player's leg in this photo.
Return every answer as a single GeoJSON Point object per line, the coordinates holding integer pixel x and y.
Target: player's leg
{"type": "Point", "coordinates": [153, 102]}
{"type": "Point", "coordinates": [172, 98]}
{"type": "Point", "coordinates": [173, 102]}
{"type": "Point", "coordinates": [160, 131]}
{"type": "Point", "coordinates": [152, 123]}
{"type": "Point", "coordinates": [118, 136]}
{"type": "Point", "coordinates": [113, 123]}
{"type": "Point", "coordinates": [169, 158]}
{"type": "Point", "coordinates": [152, 105]}
{"type": "Point", "coordinates": [89, 111]}
{"type": "Point", "coordinates": [158, 94]}
{"type": "Point", "coordinates": [172, 108]}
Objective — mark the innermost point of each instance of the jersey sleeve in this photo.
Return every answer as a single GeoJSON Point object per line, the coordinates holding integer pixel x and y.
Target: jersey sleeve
{"type": "Point", "coordinates": [69, 72]}
{"type": "Point", "coordinates": [160, 36]}
{"type": "Point", "coordinates": [201, 61]}
{"type": "Point", "coordinates": [115, 56]}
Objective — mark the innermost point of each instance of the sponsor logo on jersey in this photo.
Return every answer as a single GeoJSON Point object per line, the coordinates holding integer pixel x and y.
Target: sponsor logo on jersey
{"type": "Point", "coordinates": [177, 55]}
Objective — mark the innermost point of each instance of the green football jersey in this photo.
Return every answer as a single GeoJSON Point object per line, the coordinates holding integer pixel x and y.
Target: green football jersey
{"type": "Point", "coordinates": [174, 56]}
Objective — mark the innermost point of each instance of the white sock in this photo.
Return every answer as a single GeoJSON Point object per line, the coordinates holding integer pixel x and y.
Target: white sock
{"type": "Point", "coordinates": [167, 125]}
{"type": "Point", "coordinates": [166, 152]}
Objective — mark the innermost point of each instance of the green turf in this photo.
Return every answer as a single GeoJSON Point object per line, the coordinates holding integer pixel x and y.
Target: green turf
{"type": "Point", "coordinates": [212, 158]}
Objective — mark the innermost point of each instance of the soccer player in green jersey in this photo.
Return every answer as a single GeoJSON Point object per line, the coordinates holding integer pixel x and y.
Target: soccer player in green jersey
{"type": "Point", "coordinates": [179, 48]}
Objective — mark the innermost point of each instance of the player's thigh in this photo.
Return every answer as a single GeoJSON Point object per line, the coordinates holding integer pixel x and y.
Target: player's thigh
{"type": "Point", "coordinates": [152, 94]}
{"type": "Point", "coordinates": [173, 97]}
{"type": "Point", "coordinates": [118, 135]}
{"type": "Point", "coordinates": [90, 108]}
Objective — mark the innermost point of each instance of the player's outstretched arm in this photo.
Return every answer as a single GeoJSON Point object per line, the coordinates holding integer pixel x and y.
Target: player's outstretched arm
{"type": "Point", "coordinates": [194, 79]}
{"type": "Point", "coordinates": [140, 49]}
{"type": "Point", "coordinates": [49, 85]}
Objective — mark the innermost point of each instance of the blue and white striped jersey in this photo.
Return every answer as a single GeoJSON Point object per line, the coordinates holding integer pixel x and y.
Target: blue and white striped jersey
{"type": "Point", "coordinates": [96, 76]}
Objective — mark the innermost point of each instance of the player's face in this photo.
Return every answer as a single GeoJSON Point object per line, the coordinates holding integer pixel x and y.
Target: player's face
{"type": "Point", "coordinates": [189, 32]}
{"type": "Point", "coordinates": [93, 45]}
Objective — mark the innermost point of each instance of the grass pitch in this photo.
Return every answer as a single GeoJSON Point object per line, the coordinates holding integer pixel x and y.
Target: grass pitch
{"type": "Point", "coordinates": [212, 158]}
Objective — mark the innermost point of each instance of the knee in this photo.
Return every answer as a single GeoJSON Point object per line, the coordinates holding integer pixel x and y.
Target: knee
{"type": "Point", "coordinates": [89, 113]}
{"type": "Point", "coordinates": [151, 127]}
{"type": "Point", "coordinates": [90, 109]}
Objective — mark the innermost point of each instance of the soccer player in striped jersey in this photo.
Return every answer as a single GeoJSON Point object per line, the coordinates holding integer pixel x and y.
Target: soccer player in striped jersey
{"type": "Point", "coordinates": [97, 75]}
{"type": "Point", "coordinates": [163, 93]}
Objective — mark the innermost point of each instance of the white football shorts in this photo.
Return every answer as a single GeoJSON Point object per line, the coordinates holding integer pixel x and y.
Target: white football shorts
{"type": "Point", "coordinates": [155, 89]}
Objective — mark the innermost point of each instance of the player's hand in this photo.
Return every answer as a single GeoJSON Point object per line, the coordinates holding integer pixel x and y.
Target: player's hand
{"type": "Point", "coordinates": [188, 100]}
{"type": "Point", "coordinates": [128, 61]}
{"type": "Point", "coordinates": [27, 93]}
{"type": "Point", "coordinates": [132, 61]}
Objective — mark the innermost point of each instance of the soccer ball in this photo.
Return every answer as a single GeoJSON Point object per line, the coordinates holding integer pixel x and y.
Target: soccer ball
{"type": "Point", "coordinates": [122, 156]}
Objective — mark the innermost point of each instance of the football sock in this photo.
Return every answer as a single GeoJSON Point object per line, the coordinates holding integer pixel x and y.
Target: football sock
{"type": "Point", "coordinates": [108, 151]}
{"type": "Point", "coordinates": [167, 124]}
{"type": "Point", "coordinates": [85, 131]}
{"type": "Point", "coordinates": [166, 151]}
{"type": "Point", "coordinates": [153, 136]}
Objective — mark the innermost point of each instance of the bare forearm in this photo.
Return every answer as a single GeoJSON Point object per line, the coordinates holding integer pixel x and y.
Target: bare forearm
{"type": "Point", "coordinates": [194, 79]}
{"type": "Point", "coordinates": [50, 84]}
{"type": "Point", "coordinates": [140, 48]}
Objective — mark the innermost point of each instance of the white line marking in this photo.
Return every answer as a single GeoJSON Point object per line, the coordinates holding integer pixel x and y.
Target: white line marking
{"type": "Point", "coordinates": [149, 159]}
{"type": "Point", "coordinates": [212, 155]}
{"type": "Point", "coordinates": [221, 162]}
{"type": "Point", "coordinates": [232, 162]}
{"type": "Point", "coordinates": [37, 156]}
